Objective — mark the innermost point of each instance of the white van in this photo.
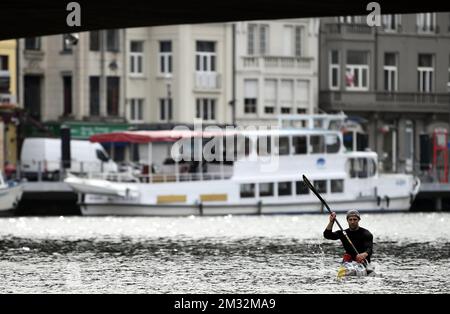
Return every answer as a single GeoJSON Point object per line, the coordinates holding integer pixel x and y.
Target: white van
{"type": "Point", "coordinates": [44, 155]}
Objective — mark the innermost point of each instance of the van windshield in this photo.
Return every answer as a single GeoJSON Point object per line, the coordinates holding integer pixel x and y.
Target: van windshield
{"type": "Point", "coordinates": [102, 155]}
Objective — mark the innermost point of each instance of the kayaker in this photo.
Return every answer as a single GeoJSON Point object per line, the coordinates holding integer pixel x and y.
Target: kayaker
{"type": "Point", "coordinates": [362, 238]}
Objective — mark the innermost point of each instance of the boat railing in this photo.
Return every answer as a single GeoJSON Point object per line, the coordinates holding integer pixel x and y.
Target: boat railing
{"type": "Point", "coordinates": [159, 177]}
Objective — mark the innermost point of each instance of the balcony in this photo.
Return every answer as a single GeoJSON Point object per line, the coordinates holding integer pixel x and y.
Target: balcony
{"type": "Point", "coordinates": [350, 31]}
{"type": "Point", "coordinates": [275, 63]}
{"type": "Point", "coordinates": [384, 101]}
{"type": "Point", "coordinates": [207, 80]}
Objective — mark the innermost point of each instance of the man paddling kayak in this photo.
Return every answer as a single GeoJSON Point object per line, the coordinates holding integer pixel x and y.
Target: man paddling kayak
{"type": "Point", "coordinates": [361, 238]}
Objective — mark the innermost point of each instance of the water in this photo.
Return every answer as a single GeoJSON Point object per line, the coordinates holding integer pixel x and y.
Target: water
{"type": "Point", "coordinates": [232, 254]}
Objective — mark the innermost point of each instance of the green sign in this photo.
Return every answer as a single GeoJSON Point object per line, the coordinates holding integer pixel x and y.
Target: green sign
{"type": "Point", "coordinates": [80, 130]}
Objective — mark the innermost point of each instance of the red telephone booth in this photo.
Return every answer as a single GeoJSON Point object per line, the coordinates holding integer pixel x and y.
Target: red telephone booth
{"type": "Point", "coordinates": [440, 154]}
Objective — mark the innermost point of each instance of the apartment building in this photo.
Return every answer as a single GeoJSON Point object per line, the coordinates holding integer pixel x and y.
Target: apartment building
{"type": "Point", "coordinates": [276, 69]}
{"type": "Point", "coordinates": [395, 77]}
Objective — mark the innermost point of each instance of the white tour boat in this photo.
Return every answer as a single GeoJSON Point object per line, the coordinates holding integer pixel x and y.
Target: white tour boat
{"type": "Point", "coordinates": [264, 177]}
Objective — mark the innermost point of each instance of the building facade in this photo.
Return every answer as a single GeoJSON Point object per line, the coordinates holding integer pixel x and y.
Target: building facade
{"type": "Point", "coordinates": [395, 77]}
{"type": "Point", "coordinates": [276, 69]}
{"type": "Point", "coordinates": [8, 104]}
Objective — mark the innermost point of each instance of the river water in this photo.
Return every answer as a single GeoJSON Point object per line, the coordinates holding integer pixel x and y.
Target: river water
{"type": "Point", "coordinates": [230, 254]}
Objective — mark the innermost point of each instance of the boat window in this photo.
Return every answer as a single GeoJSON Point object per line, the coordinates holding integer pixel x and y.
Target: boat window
{"type": "Point", "coordinates": [247, 190]}
{"type": "Point", "coordinates": [299, 143]}
{"type": "Point", "coordinates": [102, 155]}
{"type": "Point", "coordinates": [317, 143]}
{"type": "Point", "coordinates": [321, 186]}
{"type": "Point", "coordinates": [266, 189]}
{"type": "Point", "coordinates": [357, 167]}
{"type": "Point", "coordinates": [301, 188]}
{"type": "Point", "coordinates": [333, 143]}
{"type": "Point", "coordinates": [372, 165]}
{"type": "Point", "coordinates": [284, 188]}
{"type": "Point", "coordinates": [264, 145]}
{"type": "Point", "coordinates": [337, 186]}
{"type": "Point", "coordinates": [283, 145]}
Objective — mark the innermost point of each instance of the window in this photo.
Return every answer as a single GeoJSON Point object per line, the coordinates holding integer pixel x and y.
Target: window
{"type": "Point", "coordinates": [288, 38]}
{"type": "Point", "coordinates": [270, 96]}
{"type": "Point", "coordinates": [66, 45]}
{"type": "Point", "coordinates": [301, 188]}
{"type": "Point", "coordinates": [317, 143]}
{"type": "Point", "coordinates": [112, 40]}
{"type": "Point", "coordinates": [284, 188]}
{"type": "Point", "coordinates": [67, 95]}
{"type": "Point", "coordinates": [337, 186]}
{"type": "Point", "coordinates": [112, 95]}
{"type": "Point", "coordinates": [286, 96]}
{"type": "Point", "coordinates": [165, 57]}
{"type": "Point", "coordinates": [257, 39]}
{"type": "Point", "coordinates": [332, 143]}
{"type": "Point", "coordinates": [264, 145]}
{"type": "Point", "coordinates": [283, 145]}
{"type": "Point", "coordinates": [94, 95]}
{"type": "Point", "coordinates": [247, 190]}
{"type": "Point", "coordinates": [299, 143]}
{"type": "Point", "coordinates": [426, 22]}
{"type": "Point", "coordinates": [334, 72]}
{"type": "Point", "coordinates": [298, 41]}
{"type": "Point", "coordinates": [357, 71]}
{"type": "Point", "coordinates": [320, 186]}
{"type": "Point", "coordinates": [4, 63]}
{"type": "Point", "coordinates": [425, 71]}
{"type": "Point", "coordinates": [136, 111]}
{"type": "Point", "coordinates": [5, 79]}
{"type": "Point", "coordinates": [302, 92]}
{"type": "Point", "coordinates": [94, 40]}
{"type": "Point", "coordinates": [33, 43]}
{"type": "Point", "coordinates": [361, 167]}
{"type": "Point", "coordinates": [136, 57]}
{"type": "Point", "coordinates": [250, 96]}
{"type": "Point", "coordinates": [165, 109]}
{"type": "Point", "coordinates": [205, 56]}
{"type": "Point", "coordinates": [205, 109]}
{"type": "Point", "coordinates": [391, 22]}
{"type": "Point", "coordinates": [390, 72]}
{"type": "Point", "coordinates": [266, 189]}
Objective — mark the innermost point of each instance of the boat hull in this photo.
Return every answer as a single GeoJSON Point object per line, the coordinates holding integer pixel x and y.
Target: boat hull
{"type": "Point", "coordinates": [127, 209]}
{"type": "Point", "coordinates": [9, 198]}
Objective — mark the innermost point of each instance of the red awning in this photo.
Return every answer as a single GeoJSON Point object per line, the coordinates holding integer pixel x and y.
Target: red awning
{"type": "Point", "coordinates": [152, 136]}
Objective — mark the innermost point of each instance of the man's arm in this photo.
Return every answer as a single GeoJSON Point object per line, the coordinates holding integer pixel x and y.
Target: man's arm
{"type": "Point", "coordinates": [368, 245]}
{"type": "Point", "coordinates": [328, 233]}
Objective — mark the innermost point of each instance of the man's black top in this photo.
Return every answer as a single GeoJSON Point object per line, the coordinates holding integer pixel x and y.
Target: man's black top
{"type": "Point", "coordinates": [362, 239]}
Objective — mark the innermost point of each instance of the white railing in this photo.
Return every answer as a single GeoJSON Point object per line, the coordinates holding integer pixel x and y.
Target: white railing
{"type": "Point", "coordinates": [273, 62]}
{"type": "Point", "coordinates": [207, 80]}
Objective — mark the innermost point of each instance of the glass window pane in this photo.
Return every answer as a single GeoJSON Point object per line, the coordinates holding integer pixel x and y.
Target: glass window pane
{"type": "Point", "coordinates": [266, 189]}
{"type": "Point", "coordinates": [284, 188]}
{"type": "Point", "coordinates": [247, 190]}
{"type": "Point", "coordinates": [321, 186]}
{"type": "Point", "coordinates": [301, 188]}
{"type": "Point", "coordinates": [337, 186]}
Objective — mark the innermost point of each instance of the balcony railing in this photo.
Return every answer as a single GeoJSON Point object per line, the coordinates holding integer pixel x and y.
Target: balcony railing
{"type": "Point", "coordinates": [337, 28]}
{"type": "Point", "coordinates": [275, 62]}
{"type": "Point", "coordinates": [386, 101]}
{"type": "Point", "coordinates": [207, 80]}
